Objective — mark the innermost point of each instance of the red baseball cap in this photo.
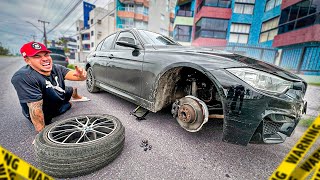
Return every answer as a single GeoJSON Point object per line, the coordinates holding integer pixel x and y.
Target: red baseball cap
{"type": "Point", "coordinates": [32, 48]}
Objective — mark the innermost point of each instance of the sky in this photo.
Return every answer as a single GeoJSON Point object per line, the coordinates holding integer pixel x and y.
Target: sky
{"type": "Point", "coordinates": [19, 20]}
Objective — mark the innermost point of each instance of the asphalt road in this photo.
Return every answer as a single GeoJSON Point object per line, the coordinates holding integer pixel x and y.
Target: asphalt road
{"type": "Point", "coordinates": [175, 154]}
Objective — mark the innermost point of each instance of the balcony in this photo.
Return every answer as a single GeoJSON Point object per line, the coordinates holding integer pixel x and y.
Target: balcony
{"type": "Point", "coordinates": [126, 12]}
{"type": "Point", "coordinates": [145, 18]}
{"type": "Point", "coordinates": [146, 3]}
{"type": "Point", "coordinates": [138, 17]}
{"type": "Point", "coordinates": [127, 1]}
{"type": "Point", "coordinates": [138, 1]}
{"type": "Point", "coordinates": [184, 13]}
{"type": "Point", "coordinates": [125, 26]}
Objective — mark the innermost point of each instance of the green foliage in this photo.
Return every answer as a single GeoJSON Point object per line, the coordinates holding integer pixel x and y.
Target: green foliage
{"type": "Point", "coordinates": [306, 122]}
{"type": "Point", "coordinates": [71, 66]}
{"type": "Point", "coordinates": [314, 84]}
{"type": "Point", "coordinates": [3, 50]}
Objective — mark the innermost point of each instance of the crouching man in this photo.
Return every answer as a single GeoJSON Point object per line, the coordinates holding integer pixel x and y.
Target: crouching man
{"type": "Point", "coordinates": [40, 85]}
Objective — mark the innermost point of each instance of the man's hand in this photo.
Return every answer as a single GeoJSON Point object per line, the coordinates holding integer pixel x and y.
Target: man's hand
{"type": "Point", "coordinates": [79, 74]}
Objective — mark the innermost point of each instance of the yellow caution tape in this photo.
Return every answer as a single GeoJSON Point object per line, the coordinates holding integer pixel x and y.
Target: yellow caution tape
{"type": "Point", "coordinates": [286, 169]}
{"type": "Point", "coordinates": [316, 175]}
{"type": "Point", "coordinates": [303, 170]}
{"type": "Point", "coordinates": [12, 167]}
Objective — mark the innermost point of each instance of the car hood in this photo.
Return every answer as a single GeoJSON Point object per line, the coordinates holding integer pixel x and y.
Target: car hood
{"type": "Point", "coordinates": [231, 60]}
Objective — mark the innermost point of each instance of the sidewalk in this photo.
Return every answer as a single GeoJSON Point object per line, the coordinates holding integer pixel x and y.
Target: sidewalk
{"type": "Point", "coordinates": [313, 98]}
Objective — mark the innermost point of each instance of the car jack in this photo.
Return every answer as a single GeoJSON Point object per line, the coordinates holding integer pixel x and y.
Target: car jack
{"type": "Point", "coordinates": [140, 113]}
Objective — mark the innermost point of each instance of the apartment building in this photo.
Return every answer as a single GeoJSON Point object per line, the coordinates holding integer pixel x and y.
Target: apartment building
{"type": "Point", "coordinates": [282, 32]}
{"type": "Point", "coordinates": [153, 15]}
{"type": "Point", "coordinates": [298, 36]}
{"type": "Point", "coordinates": [97, 24]}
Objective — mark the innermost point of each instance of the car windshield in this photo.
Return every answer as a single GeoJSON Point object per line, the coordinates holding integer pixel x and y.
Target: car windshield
{"type": "Point", "coordinates": [156, 39]}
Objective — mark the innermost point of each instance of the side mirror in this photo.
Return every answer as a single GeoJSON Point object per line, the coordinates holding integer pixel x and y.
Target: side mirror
{"type": "Point", "coordinates": [127, 44]}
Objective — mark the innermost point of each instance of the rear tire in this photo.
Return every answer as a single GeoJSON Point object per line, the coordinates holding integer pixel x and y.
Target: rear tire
{"type": "Point", "coordinates": [91, 81]}
{"type": "Point", "coordinates": [63, 157]}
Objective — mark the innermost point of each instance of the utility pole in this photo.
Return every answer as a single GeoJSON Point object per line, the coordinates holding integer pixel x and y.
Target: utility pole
{"type": "Point", "coordinates": [44, 31]}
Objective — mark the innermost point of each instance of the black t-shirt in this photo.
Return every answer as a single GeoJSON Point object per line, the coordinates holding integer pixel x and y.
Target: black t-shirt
{"type": "Point", "coordinates": [32, 86]}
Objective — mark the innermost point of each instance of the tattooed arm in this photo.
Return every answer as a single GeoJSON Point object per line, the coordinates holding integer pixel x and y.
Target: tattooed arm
{"type": "Point", "coordinates": [36, 114]}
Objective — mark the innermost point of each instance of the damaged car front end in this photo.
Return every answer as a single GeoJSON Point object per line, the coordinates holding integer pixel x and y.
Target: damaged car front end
{"type": "Point", "coordinates": [258, 102]}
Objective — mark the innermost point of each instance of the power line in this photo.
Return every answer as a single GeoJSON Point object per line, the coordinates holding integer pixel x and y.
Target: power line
{"type": "Point", "coordinates": [92, 18]}
{"type": "Point", "coordinates": [74, 7]}
{"type": "Point", "coordinates": [112, 11]}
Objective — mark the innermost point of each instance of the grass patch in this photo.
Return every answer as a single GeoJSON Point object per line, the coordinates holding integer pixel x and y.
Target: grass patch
{"type": "Point", "coordinates": [314, 84]}
{"type": "Point", "coordinates": [71, 66]}
{"type": "Point", "coordinates": [306, 122]}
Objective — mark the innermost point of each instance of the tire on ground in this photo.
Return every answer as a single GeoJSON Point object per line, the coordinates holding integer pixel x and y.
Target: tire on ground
{"type": "Point", "coordinates": [65, 160]}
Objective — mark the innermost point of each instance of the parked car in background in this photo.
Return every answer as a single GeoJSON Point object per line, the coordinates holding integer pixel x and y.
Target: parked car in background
{"type": "Point", "coordinates": [258, 102]}
{"type": "Point", "coordinates": [59, 57]}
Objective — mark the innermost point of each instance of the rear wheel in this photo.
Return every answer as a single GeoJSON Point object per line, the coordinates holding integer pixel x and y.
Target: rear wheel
{"type": "Point", "coordinates": [91, 82]}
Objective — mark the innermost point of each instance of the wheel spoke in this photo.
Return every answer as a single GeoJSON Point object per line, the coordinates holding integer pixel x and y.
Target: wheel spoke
{"type": "Point", "coordinates": [68, 136]}
{"type": "Point", "coordinates": [104, 122]}
{"type": "Point", "coordinates": [64, 130]}
{"type": "Point", "coordinates": [95, 121]}
{"type": "Point", "coordinates": [63, 125]}
{"type": "Point", "coordinates": [79, 122]}
{"type": "Point", "coordinates": [103, 127]}
{"type": "Point", "coordinates": [82, 135]}
{"type": "Point", "coordinates": [87, 137]}
{"type": "Point", "coordinates": [99, 132]}
{"type": "Point", "coordinates": [88, 120]}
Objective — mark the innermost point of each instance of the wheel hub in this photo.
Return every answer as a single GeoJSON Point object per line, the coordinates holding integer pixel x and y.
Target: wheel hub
{"type": "Point", "coordinates": [187, 114]}
{"type": "Point", "coordinates": [190, 112]}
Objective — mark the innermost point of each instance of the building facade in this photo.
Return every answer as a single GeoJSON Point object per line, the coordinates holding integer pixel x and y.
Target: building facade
{"type": "Point", "coordinates": [100, 23]}
{"type": "Point", "coordinates": [298, 36]}
{"type": "Point", "coordinates": [282, 32]}
{"type": "Point", "coordinates": [153, 15]}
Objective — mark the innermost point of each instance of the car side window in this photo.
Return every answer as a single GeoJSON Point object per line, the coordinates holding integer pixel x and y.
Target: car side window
{"type": "Point", "coordinates": [126, 37]}
{"type": "Point", "coordinates": [107, 43]}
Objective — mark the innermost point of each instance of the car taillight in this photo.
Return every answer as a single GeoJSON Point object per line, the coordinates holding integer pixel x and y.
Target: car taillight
{"type": "Point", "coordinates": [67, 59]}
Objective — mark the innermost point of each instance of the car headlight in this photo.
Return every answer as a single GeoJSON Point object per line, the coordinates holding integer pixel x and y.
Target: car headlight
{"type": "Point", "coordinates": [262, 80]}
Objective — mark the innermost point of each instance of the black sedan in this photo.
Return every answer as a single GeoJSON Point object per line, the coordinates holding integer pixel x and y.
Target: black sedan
{"type": "Point", "coordinates": [258, 102]}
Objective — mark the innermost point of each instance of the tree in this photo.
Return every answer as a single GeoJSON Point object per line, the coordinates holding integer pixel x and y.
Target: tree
{"type": "Point", "coordinates": [3, 50]}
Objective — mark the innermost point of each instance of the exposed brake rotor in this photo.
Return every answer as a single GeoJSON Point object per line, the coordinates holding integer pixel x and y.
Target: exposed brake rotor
{"type": "Point", "coordinates": [190, 112]}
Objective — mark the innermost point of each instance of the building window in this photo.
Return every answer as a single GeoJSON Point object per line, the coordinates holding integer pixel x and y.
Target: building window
{"type": "Point", "coordinates": [78, 38]}
{"type": "Point", "coordinates": [269, 30]}
{"type": "Point", "coordinates": [215, 3]}
{"type": "Point", "coordinates": [182, 33]}
{"type": "Point", "coordinates": [92, 33]}
{"type": "Point", "coordinates": [92, 44]}
{"type": "Point", "coordinates": [185, 10]}
{"type": "Point", "coordinates": [239, 33]}
{"type": "Point", "coordinates": [77, 28]}
{"type": "Point", "coordinates": [300, 15]}
{"type": "Point", "coordinates": [243, 8]}
{"type": "Point", "coordinates": [211, 28]}
{"type": "Point", "coordinates": [91, 21]}
{"type": "Point", "coordinates": [272, 4]}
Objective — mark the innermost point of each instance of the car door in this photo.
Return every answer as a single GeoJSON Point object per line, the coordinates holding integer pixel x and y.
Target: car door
{"type": "Point", "coordinates": [124, 69]}
{"type": "Point", "coordinates": [102, 58]}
